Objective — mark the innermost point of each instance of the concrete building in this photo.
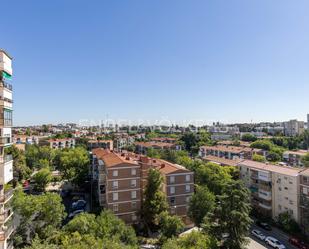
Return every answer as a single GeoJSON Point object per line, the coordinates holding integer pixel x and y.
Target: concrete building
{"type": "Point", "coordinates": [6, 160]}
{"type": "Point", "coordinates": [294, 158]}
{"type": "Point", "coordinates": [142, 147]}
{"type": "Point", "coordinates": [293, 128]}
{"type": "Point", "coordinates": [104, 144]}
{"type": "Point", "coordinates": [274, 189]}
{"type": "Point", "coordinates": [229, 152]}
{"type": "Point", "coordinates": [304, 200]}
{"type": "Point", "coordinates": [121, 179]}
{"type": "Point", "coordinates": [58, 143]}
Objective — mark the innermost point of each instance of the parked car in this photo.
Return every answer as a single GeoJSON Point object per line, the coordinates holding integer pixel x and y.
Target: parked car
{"type": "Point", "coordinates": [74, 213]}
{"type": "Point", "coordinates": [263, 225]}
{"type": "Point", "coordinates": [274, 243]}
{"type": "Point", "coordinates": [80, 204]}
{"type": "Point", "coordinates": [258, 234]}
{"type": "Point", "coordinates": [298, 243]}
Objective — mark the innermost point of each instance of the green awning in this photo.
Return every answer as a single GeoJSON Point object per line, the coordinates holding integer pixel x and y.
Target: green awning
{"type": "Point", "coordinates": [6, 75]}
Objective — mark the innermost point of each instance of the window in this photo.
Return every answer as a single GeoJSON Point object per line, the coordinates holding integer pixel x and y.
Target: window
{"type": "Point", "coordinates": [286, 188]}
{"type": "Point", "coordinates": [188, 178]}
{"type": "Point", "coordinates": [115, 196]}
{"type": "Point", "coordinates": [172, 190]}
{"type": "Point", "coordinates": [102, 189]}
{"type": "Point", "coordinates": [173, 210]}
{"type": "Point", "coordinates": [115, 207]}
{"type": "Point", "coordinates": [173, 200]}
{"type": "Point", "coordinates": [305, 191]}
{"type": "Point", "coordinates": [115, 173]}
{"type": "Point", "coordinates": [133, 204]}
{"type": "Point", "coordinates": [134, 217]}
{"type": "Point", "coordinates": [115, 184]}
{"type": "Point", "coordinates": [133, 183]}
{"type": "Point", "coordinates": [133, 172]}
{"type": "Point", "coordinates": [291, 202]}
{"type": "Point", "coordinates": [188, 188]}
{"type": "Point", "coordinates": [172, 179]}
{"type": "Point", "coordinates": [188, 199]}
{"type": "Point", "coordinates": [133, 194]}
{"type": "Point", "coordinates": [306, 179]}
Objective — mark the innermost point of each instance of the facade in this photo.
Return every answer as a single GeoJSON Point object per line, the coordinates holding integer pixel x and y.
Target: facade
{"type": "Point", "coordinates": [229, 152]}
{"type": "Point", "coordinates": [142, 147]}
{"type": "Point", "coordinates": [6, 160]}
{"type": "Point", "coordinates": [121, 179]}
{"type": "Point", "coordinates": [304, 201]}
{"type": "Point", "coordinates": [58, 143]}
{"type": "Point", "coordinates": [274, 189]}
{"type": "Point", "coordinates": [104, 144]}
{"type": "Point", "coordinates": [294, 158]}
{"type": "Point", "coordinates": [293, 128]}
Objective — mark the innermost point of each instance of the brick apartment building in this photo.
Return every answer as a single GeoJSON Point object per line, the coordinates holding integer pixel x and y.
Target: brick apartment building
{"type": "Point", "coordinates": [122, 178]}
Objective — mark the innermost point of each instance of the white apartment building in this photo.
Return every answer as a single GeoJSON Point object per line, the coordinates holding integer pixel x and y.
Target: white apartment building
{"type": "Point", "coordinates": [293, 127]}
{"type": "Point", "coordinates": [6, 161]}
{"type": "Point", "coordinates": [274, 189]}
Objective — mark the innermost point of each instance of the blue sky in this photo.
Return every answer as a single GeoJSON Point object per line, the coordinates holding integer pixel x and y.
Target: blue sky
{"type": "Point", "coordinates": [225, 60]}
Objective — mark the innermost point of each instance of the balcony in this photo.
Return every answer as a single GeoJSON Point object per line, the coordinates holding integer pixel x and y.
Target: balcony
{"type": "Point", "coordinates": [5, 140]}
{"type": "Point", "coordinates": [265, 195]}
{"type": "Point", "coordinates": [265, 206]}
{"type": "Point", "coordinates": [264, 176]}
{"type": "Point", "coordinates": [6, 67]}
{"type": "Point", "coordinates": [6, 102]}
{"type": "Point", "coordinates": [6, 196]}
{"type": "Point", "coordinates": [6, 232]}
{"type": "Point", "coordinates": [5, 215]}
{"type": "Point", "coordinates": [6, 169]}
{"type": "Point", "coordinates": [304, 201]}
{"type": "Point", "coordinates": [6, 122]}
{"type": "Point", "coordinates": [6, 85]}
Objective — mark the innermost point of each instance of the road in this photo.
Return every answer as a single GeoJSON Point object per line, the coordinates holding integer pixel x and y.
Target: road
{"type": "Point", "coordinates": [255, 243]}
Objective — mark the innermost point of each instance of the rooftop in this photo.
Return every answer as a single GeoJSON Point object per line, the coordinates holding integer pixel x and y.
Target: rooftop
{"type": "Point", "coordinates": [270, 167]}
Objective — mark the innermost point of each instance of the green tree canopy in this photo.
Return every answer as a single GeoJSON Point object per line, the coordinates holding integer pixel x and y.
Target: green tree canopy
{"type": "Point", "coordinates": [41, 179]}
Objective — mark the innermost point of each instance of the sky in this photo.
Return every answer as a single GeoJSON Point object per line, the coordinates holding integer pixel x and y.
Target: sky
{"type": "Point", "coordinates": [153, 60]}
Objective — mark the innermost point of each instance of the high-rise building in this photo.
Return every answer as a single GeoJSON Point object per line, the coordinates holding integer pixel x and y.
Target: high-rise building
{"type": "Point", "coordinates": [6, 160]}
{"type": "Point", "coordinates": [293, 127]}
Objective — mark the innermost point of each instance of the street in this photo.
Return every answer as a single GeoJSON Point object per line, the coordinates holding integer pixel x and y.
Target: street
{"type": "Point", "coordinates": [255, 243]}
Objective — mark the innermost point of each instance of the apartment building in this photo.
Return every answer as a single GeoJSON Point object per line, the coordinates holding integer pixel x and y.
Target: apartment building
{"type": "Point", "coordinates": [104, 144]}
{"type": "Point", "coordinates": [229, 152]}
{"type": "Point", "coordinates": [122, 177]}
{"type": "Point", "coordinates": [6, 160]}
{"type": "Point", "coordinates": [293, 127]}
{"type": "Point", "coordinates": [304, 200]}
{"type": "Point", "coordinates": [142, 147]}
{"type": "Point", "coordinates": [294, 158]}
{"type": "Point", "coordinates": [58, 143]}
{"type": "Point", "coordinates": [274, 189]}
{"type": "Point", "coordinates": [164, 140]}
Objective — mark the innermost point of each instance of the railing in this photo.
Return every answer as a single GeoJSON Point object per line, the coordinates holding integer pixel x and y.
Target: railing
{"type": "Point", "coordinates": [7, 195]}
{"type": "Point", "coordinates": [5, 233]}
{"type": "Point", "coordinates": [304, 201]}
{"type": "Point", "coordinates": [6, 214]}
{"type": "Point", "coordinates": [6, 158]}
{"type": "Point", "coordinates": [5, 140]}
{"type": "Point", "coordinates": [6, 122]}
{"type": "Point", "coordinates": [6, 99]}
{"type": "Point", "coordinates": [3, 83]}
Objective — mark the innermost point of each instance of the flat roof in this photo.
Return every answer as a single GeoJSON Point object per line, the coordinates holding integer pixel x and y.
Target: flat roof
{"type": "Point", "coordinates": [6, 53]}
{"type": "Point", "coordinates": [271, 167]}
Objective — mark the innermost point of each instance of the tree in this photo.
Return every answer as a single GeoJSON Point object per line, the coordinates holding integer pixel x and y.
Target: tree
{"type": "Point", "coordinates": [231, 216]}
{"type": "Point", "coordinates": [193, 240]}
{"type": "Point", "coordinates": [262, 144]}
{"type": "Point", "coordinates": [39, 214]}
{"type": "Point", "coordinates": [258, 158]}
{"type": "Point", "coordinates": [41, 179]}
{"type": "Point", "coordinates": [287, 223]}
{"type": "Point", "coordinates": [305, 160]}
{"type": "Point", "coordinates": [202, 203]}
{"type": "Point", "coordinates": [154, 199]}
{"type": "Point", "coordinates": [170, 226]}
{"type": "Point", "coordinates": [248, 137]}
{"type": "Point", "coordinates": [73, 163]}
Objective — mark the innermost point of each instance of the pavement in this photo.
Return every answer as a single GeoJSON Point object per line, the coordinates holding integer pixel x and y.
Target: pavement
{"type": "Point", "coordinates": [255, 243]}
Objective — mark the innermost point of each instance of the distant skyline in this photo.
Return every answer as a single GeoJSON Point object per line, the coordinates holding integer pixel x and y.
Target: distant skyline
{"type": "Point", "coordinates": [229, 61]}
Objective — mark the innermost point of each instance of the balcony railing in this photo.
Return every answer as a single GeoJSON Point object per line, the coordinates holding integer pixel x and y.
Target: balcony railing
{"type": "Point", "coordinates": [5, 233]}
{"type": "Point", "coordinates": [5, 140]}
{"type": "Point", "coordinates": [3, 83]}
{"type": "Point", "coordinates": [6, 99]}
{"type": "Point", "coordinates": [6, 196]}
{"type": "Point", "coordinates": [6, 158]}
{"type": "Point", "coordinates": [6, 122]}
{"type": "Point", "coordinates": [304, 201]}
{"type": "Point", "coordinates": [5, 215]}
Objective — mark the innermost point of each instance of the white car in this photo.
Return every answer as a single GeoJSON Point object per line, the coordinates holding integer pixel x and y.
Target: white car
{"type": "Point", "coordinates": [76, 212]}
{"type": "Point", "coordinates": [271, 241]}
{"type": "Point", "coordinates": [258, 234]}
